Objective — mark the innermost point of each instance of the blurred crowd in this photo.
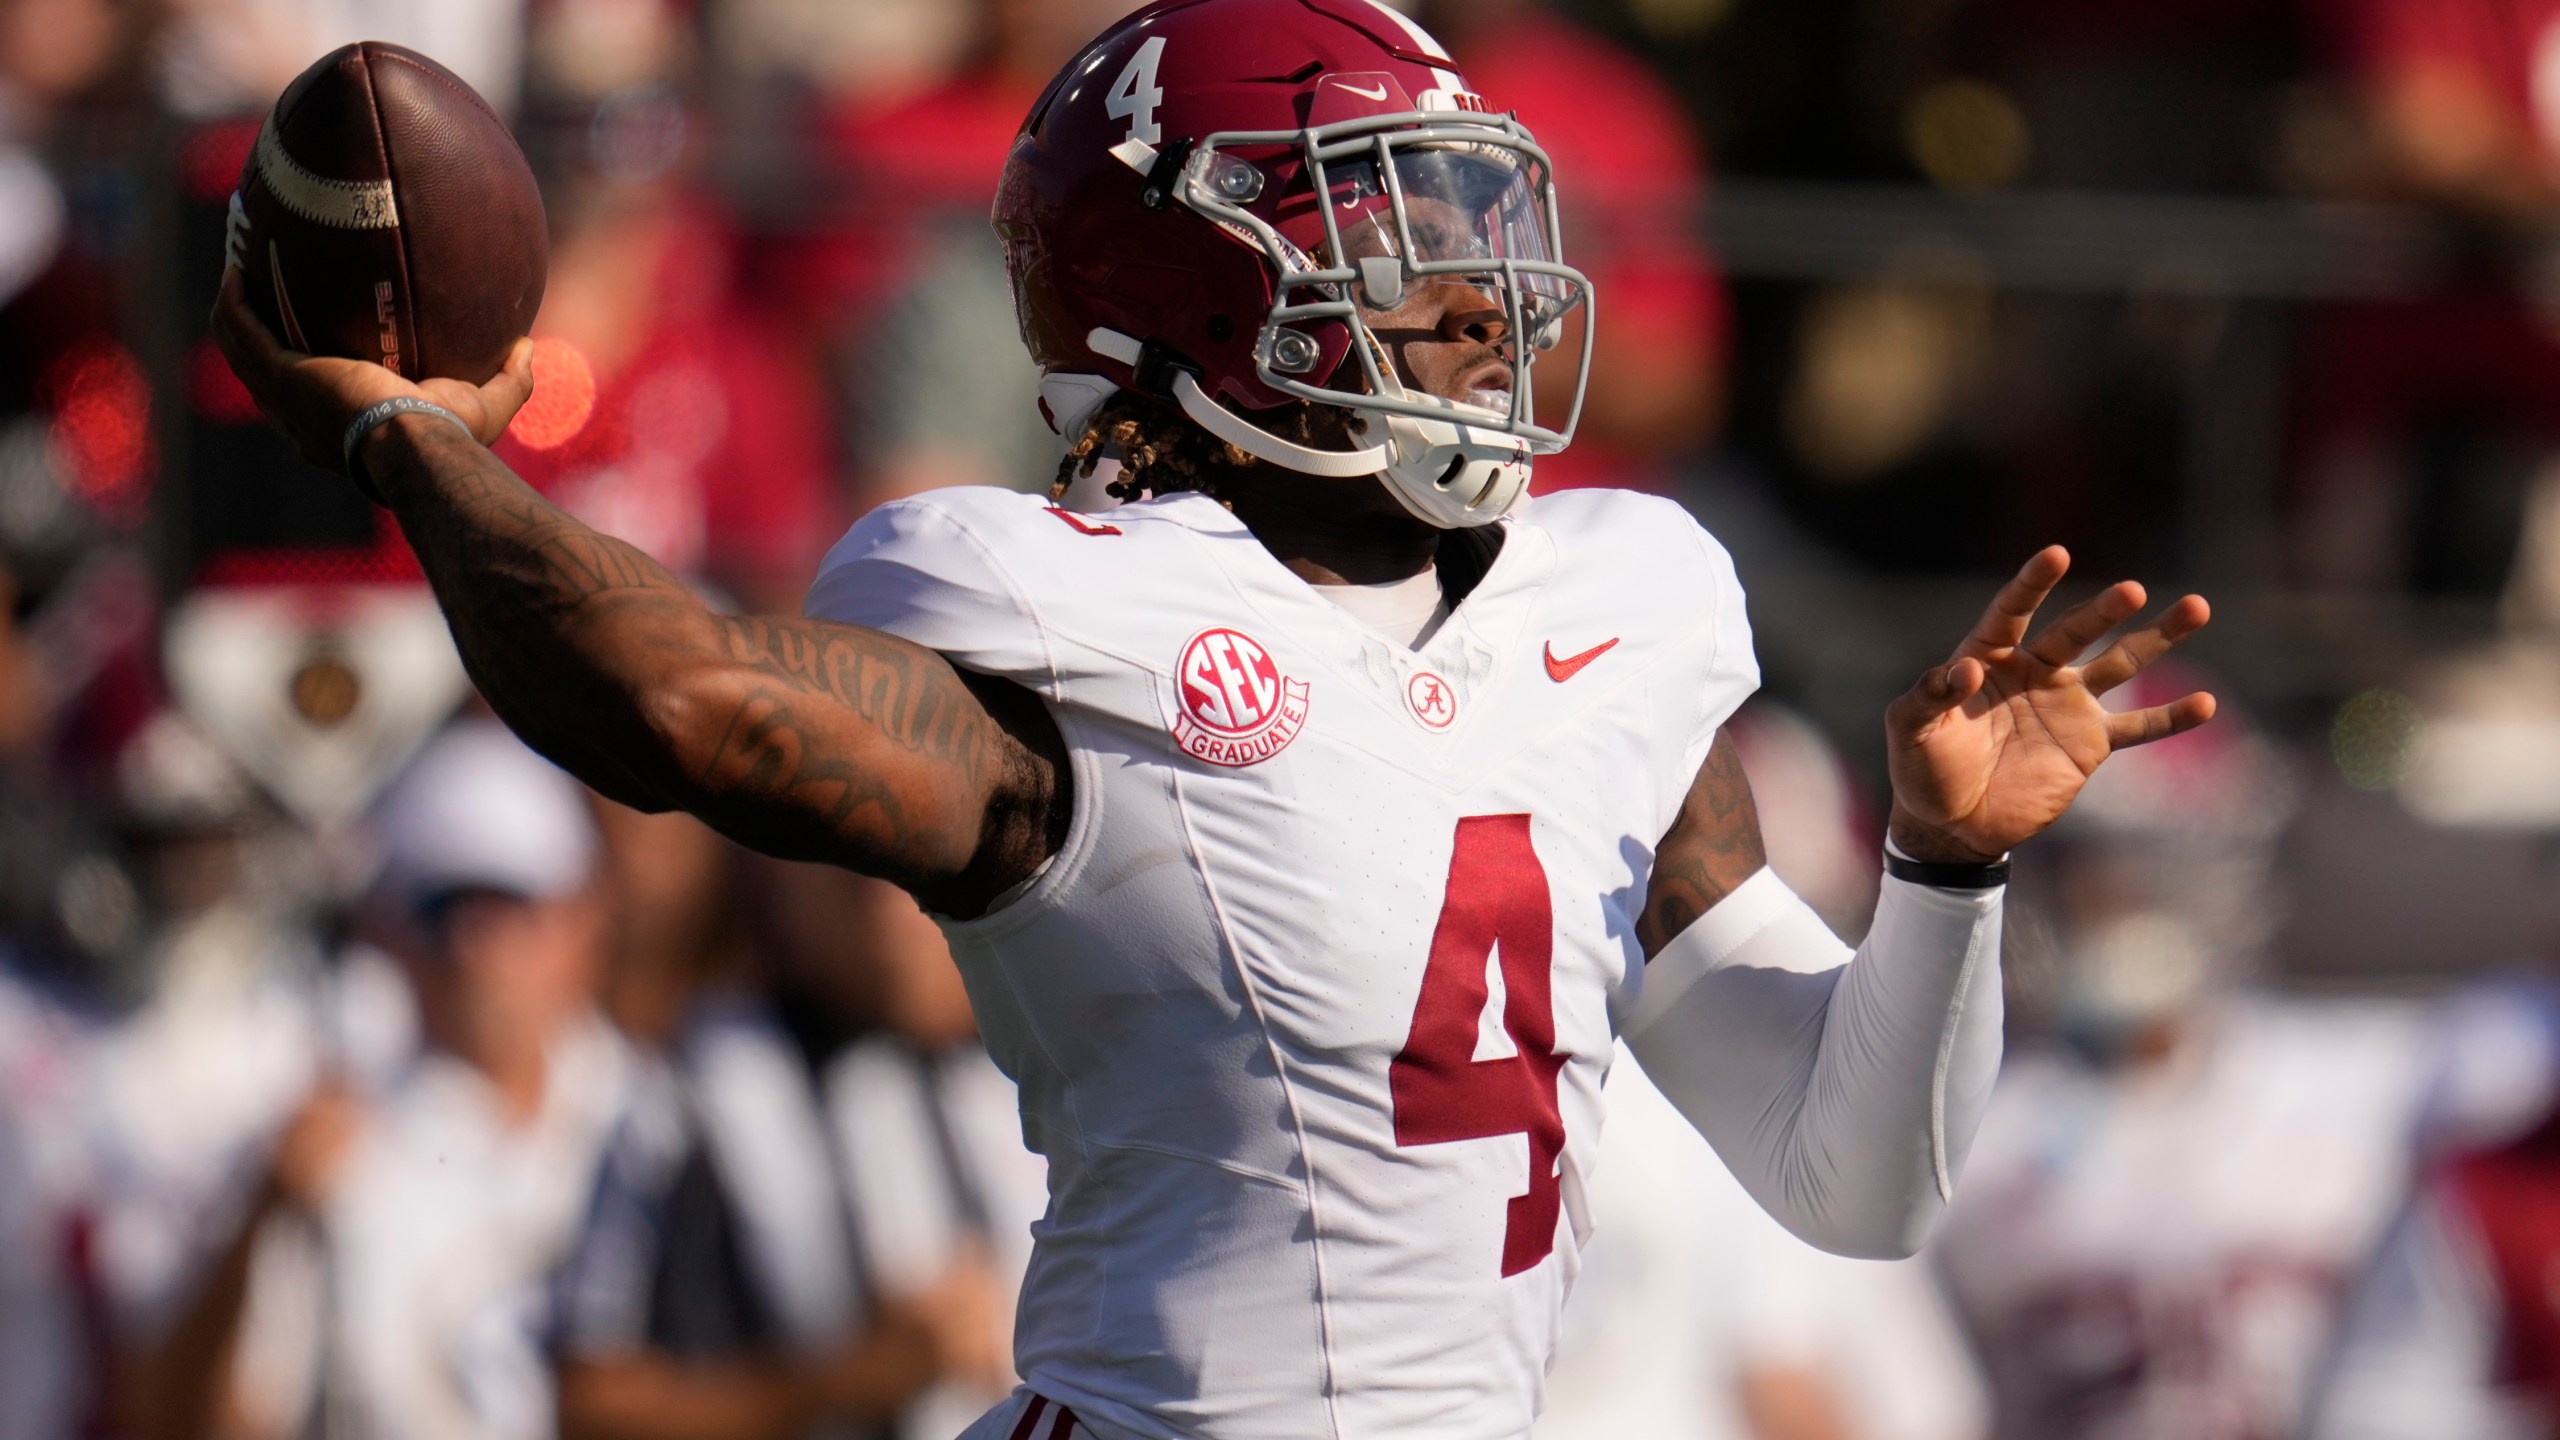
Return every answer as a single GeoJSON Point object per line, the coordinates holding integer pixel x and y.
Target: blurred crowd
{"type": "Point", "coordinates": [363, 1078]}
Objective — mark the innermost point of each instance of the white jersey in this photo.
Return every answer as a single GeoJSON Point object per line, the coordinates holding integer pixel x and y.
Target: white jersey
{"type": "Point", "coordinates": [1311, 1011]}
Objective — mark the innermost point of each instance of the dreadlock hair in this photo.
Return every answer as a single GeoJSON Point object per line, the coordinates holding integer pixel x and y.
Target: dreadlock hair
{"type": "Point", "coordinates": [1161, 450]}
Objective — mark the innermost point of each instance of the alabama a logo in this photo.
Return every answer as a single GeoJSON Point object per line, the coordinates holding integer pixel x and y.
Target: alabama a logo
{"type": "Point", "coordinates": [1236, 706]}
{"type": "Point", "coordinates": [1431, 700]}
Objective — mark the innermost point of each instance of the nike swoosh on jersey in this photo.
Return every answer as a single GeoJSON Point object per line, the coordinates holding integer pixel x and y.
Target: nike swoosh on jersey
{"type": "Point", "coordinates": [1378, 94]}
{"type": "Point", "coordinates": [1565, 669]}
{"type": "Point", "coordinates": [1081, 525]}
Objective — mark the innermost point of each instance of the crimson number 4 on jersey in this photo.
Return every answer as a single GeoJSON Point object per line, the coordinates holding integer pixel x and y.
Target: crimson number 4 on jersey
{"type": "Point", "coordinates": [1496, 904]}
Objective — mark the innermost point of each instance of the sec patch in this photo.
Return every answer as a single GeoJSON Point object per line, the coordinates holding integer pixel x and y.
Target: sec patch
{"type": "Point", "coordinates": [1236, 708]}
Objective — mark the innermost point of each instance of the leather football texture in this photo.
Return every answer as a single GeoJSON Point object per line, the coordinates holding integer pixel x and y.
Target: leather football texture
{"type": "Point", "coordinates": [385, 214]}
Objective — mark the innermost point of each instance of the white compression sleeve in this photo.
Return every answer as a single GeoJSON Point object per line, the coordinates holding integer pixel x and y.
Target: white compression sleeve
{"type": "Point", "coordinates": [1843, 1091]}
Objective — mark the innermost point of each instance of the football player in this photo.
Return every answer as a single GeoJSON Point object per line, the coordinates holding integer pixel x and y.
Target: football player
{"type": "Point", "coordinates": [2165, 1203]}
{"type": "Point", "coordinates": [1308, 828]}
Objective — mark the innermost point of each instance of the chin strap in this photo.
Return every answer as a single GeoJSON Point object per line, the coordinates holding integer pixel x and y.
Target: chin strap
{"type": "Point", "coordinates": [1243, 434]}
{"type": "Point", "coordinates": [1253, 440]}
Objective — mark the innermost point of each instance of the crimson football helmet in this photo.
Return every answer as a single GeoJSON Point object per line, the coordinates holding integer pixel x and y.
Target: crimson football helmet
{"type": "Point", "coordinates": [1210, 203]}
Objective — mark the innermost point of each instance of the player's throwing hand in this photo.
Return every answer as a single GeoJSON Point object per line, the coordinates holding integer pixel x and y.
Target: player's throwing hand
{"type": "Point", "coordinates": [1993, 746]}
{"type": "Point", "coordinates": [312, 398]}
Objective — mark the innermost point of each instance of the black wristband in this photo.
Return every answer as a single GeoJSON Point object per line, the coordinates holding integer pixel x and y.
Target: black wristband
{"type": "Point", "coordinates": [1989, 875]}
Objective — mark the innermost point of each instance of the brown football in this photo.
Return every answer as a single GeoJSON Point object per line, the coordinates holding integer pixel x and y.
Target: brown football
{"type": "Point", "coordinates": [387, 215]}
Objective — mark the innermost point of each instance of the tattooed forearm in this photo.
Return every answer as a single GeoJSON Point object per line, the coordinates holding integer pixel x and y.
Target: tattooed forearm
{"type": "Point", "coordinates": [1713, 847]}
{"type": "Point", "coordinates": [799, 737]}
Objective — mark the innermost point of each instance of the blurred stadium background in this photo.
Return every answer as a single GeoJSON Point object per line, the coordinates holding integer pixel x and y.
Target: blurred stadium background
{"type": "Point", "coordinates": [359, 1078]}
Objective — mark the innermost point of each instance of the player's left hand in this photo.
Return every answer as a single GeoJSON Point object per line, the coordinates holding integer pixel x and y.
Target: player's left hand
{"type": "Point", "coordinates": [1993, 746]}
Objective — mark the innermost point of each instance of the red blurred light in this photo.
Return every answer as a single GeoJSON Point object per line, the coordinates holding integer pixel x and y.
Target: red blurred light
{"type": "Point", "coordinates": [211, 157]}
{"type": "Point", "coordinates": [295, 569]}
{"type": "Point", "coordinates": [101, 406]}
{"type": "Point", "coordinates": [564, 396]}
{"type": "Point", "coordinates": [213, 392]}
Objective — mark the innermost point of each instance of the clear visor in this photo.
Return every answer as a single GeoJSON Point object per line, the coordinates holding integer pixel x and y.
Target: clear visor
{"type": "Point", "coordinates": [1467, 208]}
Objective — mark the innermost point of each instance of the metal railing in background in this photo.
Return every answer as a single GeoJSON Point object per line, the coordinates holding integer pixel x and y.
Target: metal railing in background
{"type": "Point", "coordinates": [2084, 242]}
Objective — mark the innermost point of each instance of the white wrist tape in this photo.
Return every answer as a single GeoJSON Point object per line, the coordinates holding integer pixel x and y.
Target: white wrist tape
{"type": "Point", "coordinates": [1843, 1091]}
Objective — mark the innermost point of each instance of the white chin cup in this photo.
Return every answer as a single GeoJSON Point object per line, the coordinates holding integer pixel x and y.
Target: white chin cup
{"type": "Point", "coordinates": [1448, 473]}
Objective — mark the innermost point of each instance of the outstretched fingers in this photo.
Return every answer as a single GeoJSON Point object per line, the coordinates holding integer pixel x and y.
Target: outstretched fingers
{"type": "Point", "coordinates": [2159, 722]}
{"type": "Point", "coordinates": [2005, 623]}
{"type": "Point", "coordinates": [2134, 653]}
{"type": "Point", "coordinates": [2080, 627]}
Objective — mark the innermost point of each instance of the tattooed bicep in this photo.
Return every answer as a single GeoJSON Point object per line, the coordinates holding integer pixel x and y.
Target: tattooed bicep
{"type": "Point", "coordinates": [850, 745]}
{"type": "Point", "coordinates": [1711, 849]}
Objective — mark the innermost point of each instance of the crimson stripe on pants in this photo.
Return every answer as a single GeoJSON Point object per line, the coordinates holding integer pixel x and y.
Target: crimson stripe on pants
{"type": "Point", "coordinates": [1031, 1417]}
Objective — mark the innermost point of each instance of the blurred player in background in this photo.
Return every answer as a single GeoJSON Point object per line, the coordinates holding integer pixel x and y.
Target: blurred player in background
{"type": "Point", "coordinates": [214, 1032]}
{"type": "Point", "coordinates": [712, 1294]}
{"type": "Point", "coordinates": [162, 1022]}
{"type": "Point", "coordinates": [928, 1136]}
{"type": "Point", "coordinates": [2166, 1206]}
{"type": "Point", "coordinates": [388, 1275]}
